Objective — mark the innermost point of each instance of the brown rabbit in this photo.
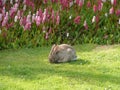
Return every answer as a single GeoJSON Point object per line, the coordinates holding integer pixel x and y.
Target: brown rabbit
{"type": "Point", "coordinates": [62, 53]}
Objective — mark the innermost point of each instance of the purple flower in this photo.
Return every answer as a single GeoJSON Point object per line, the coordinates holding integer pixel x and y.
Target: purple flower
{"type": "Point", "coordinates": [38, 20]}
{"type": "Point", "coordinates": [5, 20]}
{"type": "Point", "coordinates": [118, 12]}
{"type": "Point", "coordinates": [13, 10]}
{"type": "Point", "coordinates": [50, 30]}
{"type": "Point", "coordinates": [27, 26]}
{"type": "Point", "coordinates": [95, 8]}
{"type": "Point", "coordinates": [77, 20]}
{"type": "Point", "coordinates": [100, 5]}
{"type": "Point", "coordinates": [88, 4]}
{"type": "Point", "coordinates": [45, 1]}
{"type": "Point", "coordinates": [111, 11]}
{"type": "Point", "coordinates": [44, 18]}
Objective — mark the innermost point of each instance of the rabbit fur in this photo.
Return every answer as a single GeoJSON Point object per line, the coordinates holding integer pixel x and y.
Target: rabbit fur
{"type": "Point", "coordinates": [62, 53]}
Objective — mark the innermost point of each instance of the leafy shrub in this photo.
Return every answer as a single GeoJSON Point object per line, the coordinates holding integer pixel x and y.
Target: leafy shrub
{"type": "Point", "coordinates": [29, 23]}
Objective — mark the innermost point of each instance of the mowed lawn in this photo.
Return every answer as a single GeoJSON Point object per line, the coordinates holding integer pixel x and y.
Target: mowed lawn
{"type": "Point", "coordinates": [97, 68]}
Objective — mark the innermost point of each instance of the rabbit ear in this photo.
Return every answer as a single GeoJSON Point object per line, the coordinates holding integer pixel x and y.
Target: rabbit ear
{"type": "Point", "coordinates": [55, 50]}
{"type": "Point", "coordinates": [52, 49]}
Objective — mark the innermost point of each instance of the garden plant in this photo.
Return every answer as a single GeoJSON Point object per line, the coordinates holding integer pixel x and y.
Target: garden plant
{"type": "Point", "coordinates": [33, 23]}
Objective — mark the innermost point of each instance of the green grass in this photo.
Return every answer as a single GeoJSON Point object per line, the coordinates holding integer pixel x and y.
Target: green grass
{"type": "Point", "coordinates": [97, 68]}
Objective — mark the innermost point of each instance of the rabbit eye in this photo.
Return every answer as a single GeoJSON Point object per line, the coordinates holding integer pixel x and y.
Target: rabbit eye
{"type": "Point", "coordinates": [57, 52]}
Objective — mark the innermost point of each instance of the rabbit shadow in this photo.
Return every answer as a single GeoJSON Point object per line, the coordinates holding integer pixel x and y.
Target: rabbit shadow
{"type": "Point", "coordinates": [79, 62]}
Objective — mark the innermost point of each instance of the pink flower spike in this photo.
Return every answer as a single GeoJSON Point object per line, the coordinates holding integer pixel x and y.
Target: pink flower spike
{"type": "Point", "coordinates": [57, 18]}
{"type": "Point", "coordinates": [88, 4]}
{"type": "Point", "coordinates": [118, 12]}
{"type": "Point", "coordinates": [5, 20]}
{"type": "Point", "coordinates": [77, 20]}
{"type": "Point", "coordinates": [85, 25]}
{"type": "Point", "coordinates": [33, 17]}
{"type": "Point", "coordinates": [28, 20]}
{"type": "Point", "coordinates": [53, 16]}
{"type": "Point", "coordinates": [77, 1]}
{"type": "Point", "coordinates": [38, 20]}
{"type": "Point", "coordinates": [50, 30]}
{"type": "Point", "coordinates": [46, 36]}
{"type": "Point", "coordinates": [27, 26]}
{"type": "Point", "coordinates": [3, 11]}
{"type": "Point", "coordinates": [45, 1]}
{"type": "Point", "coordinates": [100, 6]}
{"type": "Point", "coordinates": [80, 3]}
{"type": "Point", "coordinates": [111, 11]}
{"type": "Point", "coordinates": [95, 8]}
{"type": "Point", "coordinates": [97, 19]}
{"type": "Point", "coordinates": [114, 2]}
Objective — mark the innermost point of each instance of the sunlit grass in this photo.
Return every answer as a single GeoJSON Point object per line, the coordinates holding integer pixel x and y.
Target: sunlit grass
{"type": "Point", "coordinates": [97, 68]}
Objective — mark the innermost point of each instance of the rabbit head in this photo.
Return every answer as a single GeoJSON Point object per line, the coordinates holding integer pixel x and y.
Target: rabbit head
{"type": "Point", "coordinates": [53, 54]}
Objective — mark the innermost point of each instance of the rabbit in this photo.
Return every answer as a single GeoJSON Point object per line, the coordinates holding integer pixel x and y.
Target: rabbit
{"type": "Point", "coordinates": [62, 53]}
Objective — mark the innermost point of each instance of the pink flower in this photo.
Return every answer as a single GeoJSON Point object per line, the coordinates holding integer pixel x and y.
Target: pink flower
{"type": "Point", "coordinates": [85, 25]}
{"type": "Point", "coordinates": [27, 26]}
{"type": "Point", "coordinates": [1, 3]}
{"type": "Point", "coordinates": [3, 11]}
{"type": "Point", "coordinates": [44, 18]}
{"type": "Point", "coordinates": [97, 19]}
{"type": "Point", "coordinates": [53, 16]}
{"type": "Point", "coordinates": [23, 21]}
{"type": "Point", "coordinates": [77, 20]}
{"type": "Point", "coordinates": [29, 3]}
{"type": "Point", "coordinates": [111, 11]}
{"type": "Point", "coordinates": [57, 18]}
{"type": "Point", "coordinates": [88, 4]}
{"type": "Point", "coordinates": [50, 30]}
{"type": "Point", "coordinates": [80, 3]}
{"type": "Point", "coordinates": [13, 10]}
{"type": "Point", "coordinates": [45, 1]}
{"type": "Point", "coordinates": [33, 17]}
{"type": "Point", "coordinates": [118, 12]}
{"type": "Point", "coordinates": [9, 25]}
{"type": "Point", "coordinates": [38, 20]}
{"type": "Point", "coordinates": [46, 36]}
{"type": "Point", "coordinates": [28, 19]}
{"type": "Point", "coordinates": [100, 5]}
{"type": "Point", "coordinates": [64, 3]}
{"type": "Point", "coordinates": [5, 20]}
{"type": "Point", "coordinates": [40, 13]}
{"type": "Point", "coordinates": [114, 2]}
{"type": "Point", "coordinates": [95, 8]}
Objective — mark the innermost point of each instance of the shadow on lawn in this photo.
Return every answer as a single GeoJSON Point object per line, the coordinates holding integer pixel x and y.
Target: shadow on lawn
{"type": "Point", "coordinates": [80, 62]}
